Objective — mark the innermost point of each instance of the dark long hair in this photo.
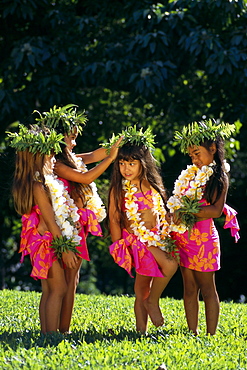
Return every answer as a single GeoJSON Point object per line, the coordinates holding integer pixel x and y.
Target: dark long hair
{"type": "Point", "coordinates": [78, 190]}
{"type": "Point", "coordinates": [218, 181]}
{"type": "Point", "coordinates": [149, 172]}
{"type": "Point", "coordinates": [26, 166]}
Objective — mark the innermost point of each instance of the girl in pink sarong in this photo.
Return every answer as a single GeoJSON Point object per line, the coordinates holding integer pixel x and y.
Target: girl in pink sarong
{"type": "Point", "coordinates": [136, 218]}
{"type": "Point", "coordinates": [41, 235]}
{"type": "Point", "coordinates": [71, 170]}
{"type": "Point", "coordinates": [207, 181]}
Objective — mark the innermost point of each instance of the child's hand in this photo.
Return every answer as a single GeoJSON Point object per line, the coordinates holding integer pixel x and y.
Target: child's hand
{"type": "Point", "coordinates": [168, 217]}
{"type": "Point", "coordinates": [70, 259]}
{"type": "Point", "coordinates": [78, 225]}
{"type": "Point", "coordinates": [114, 149]}
{"type": "Point", "coordinates": [176, 217]}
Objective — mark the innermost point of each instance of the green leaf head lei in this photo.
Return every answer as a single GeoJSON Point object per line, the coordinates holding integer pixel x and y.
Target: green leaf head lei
{"type": "Point", "coordinates": [197, 132]}
{"type": "Point", "coordinates": [35, 139]}
{"type": "Point", "coordinates": [65, 118]}
{"type": "Point", "coordinates": [133, 136]}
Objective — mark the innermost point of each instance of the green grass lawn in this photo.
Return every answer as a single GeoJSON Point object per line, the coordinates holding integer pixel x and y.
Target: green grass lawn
{"type": "Point", "coordinates": [103, 337]}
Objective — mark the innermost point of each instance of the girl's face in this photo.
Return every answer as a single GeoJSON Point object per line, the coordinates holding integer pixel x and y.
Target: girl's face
{"type": "Point", "coordinates": [49, 164]}
{"type": "Point", "coordinates": [201, 156]}
{"type": "Point", "coordinates": [70, 140]}
{"type": "Point", "coordinates": [130, 170]}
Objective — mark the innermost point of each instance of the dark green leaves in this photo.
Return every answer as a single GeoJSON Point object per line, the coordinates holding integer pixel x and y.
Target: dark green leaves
{"type": "Point", "coordinates": [63, 244]}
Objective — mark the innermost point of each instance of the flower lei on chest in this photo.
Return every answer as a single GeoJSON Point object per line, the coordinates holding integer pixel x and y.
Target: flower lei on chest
{"type": "Point", "coordinates": [66, 216]}
{"type": "Point", "coordinates": [93, 201]}
{"type": "Point", "coordinates": [161, 239]}
{"type": "Point", "coordinates": [188, 191]}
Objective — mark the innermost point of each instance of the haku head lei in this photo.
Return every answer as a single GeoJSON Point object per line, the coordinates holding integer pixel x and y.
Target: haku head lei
{"type": "Point", "coordinates": [133, 136]}
{"type": "Point", "coordinates": [66, 116]}
{"type": "Point", "coordinates": [197, 132]}
{"type": "Point", "coordinates": [36, 140]}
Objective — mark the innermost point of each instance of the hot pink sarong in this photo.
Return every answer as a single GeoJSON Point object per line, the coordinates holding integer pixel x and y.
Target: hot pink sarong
{"type": "Point", "coordinates": [88, 222]}
{"type": "Point", "coordinates": [38, 246]}
{"type": "Point", "coordinates": [201, 252]}
{"type": "Point", "coordinates": [129, 253]}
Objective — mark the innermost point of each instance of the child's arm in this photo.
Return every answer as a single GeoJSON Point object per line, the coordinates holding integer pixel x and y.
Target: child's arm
{"type": "Point", "coordinates": [115, 229]}
{"type": "Point", "coordinates": [213, 210]}
{"type": "Point", "coordinates": [40, 198]}
{"type": "Point", "coordinates": [72, 174]}
{"type": "Point", "coordinates": [92, 157]}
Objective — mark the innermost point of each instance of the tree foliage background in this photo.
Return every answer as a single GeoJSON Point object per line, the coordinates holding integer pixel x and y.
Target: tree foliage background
{"type": "Point", "coordinates": [162, 64]}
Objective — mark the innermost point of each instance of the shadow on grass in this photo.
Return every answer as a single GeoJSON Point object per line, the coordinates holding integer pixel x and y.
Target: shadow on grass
{"type": "Point", "coordinates": [28, 339]}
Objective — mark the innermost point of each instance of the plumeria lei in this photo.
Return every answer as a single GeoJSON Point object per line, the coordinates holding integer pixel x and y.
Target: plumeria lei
{"type": "Point", "coordinates": [93, 201]}
{"type": "Point", "coordinates": [188, 190]}
{"type": "Point", "coordinates": [160, 239]}
{"type": "Point", "coordinates": [64, 208]}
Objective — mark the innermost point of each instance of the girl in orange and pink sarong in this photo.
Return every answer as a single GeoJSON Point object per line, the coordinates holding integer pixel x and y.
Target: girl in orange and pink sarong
{"type": "Point", "coordinates": [138, 225]}
{"type": "Point", "coordinates": [49, 216]}
{"type": "Point", "coordinates": [199, 196]}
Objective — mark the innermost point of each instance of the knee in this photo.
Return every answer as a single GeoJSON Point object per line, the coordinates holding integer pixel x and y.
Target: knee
{"type": "Point", "coordinates": [73, 281]}
{"type": "Point", "coordinates": [76, 279]}
{"type": "Point", "coordinates": [142, 294]}
{"type": "Point", "coordinates": [173, 267]}
{"type": "Point", "coordinates": [60, 290]}
{"type": "Point", "coordinates": [191, 290]}
{"type": "Point", "coordinates": [209, 292]}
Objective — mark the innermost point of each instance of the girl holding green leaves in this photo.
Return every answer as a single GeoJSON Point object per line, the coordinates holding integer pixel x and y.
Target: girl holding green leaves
{"type": "Point", "coordinates": [50, 233]}
{"type": "Point", "coordinates": [199, 196]}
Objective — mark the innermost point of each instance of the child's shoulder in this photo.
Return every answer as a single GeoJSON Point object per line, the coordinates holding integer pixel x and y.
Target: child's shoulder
{"type": "Point", "coordinates": [40, 194]}
{"type": "Point", "coordinates": [38, 187]}
{"type": "Point", "coordinates": [146, 186]}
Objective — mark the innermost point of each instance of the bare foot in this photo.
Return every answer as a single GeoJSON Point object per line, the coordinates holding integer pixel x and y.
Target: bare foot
{"type": "Point", "coordinates": [142, 332]}
{"type": "Point", "coordinates": [154, 312]}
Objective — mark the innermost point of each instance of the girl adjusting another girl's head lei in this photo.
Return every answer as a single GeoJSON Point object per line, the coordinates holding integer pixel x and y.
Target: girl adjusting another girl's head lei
{"type": "Point", "coordinates": [67, 120]}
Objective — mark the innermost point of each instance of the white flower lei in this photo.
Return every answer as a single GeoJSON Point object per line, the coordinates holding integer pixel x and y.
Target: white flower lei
{"type": "Point", "coordinates": [64, 208]}
{"type": "Point", "coordinates": [138, 227]}
{"type": "Point", "coordinates": [94, 202]}
{"type": "Point", "coordinates": [190, 183]}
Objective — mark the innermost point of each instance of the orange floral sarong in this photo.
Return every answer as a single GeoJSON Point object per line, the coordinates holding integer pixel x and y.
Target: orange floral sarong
{"type": "Point", "coordinates": [38, 246]}
{"type": "Point", "coordinates": [201, 252]}
{"type": "Point", "coordinates": [129, 253]}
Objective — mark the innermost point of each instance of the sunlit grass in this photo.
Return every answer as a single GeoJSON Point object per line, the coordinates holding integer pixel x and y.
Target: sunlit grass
{"type": "Point", "coordinates": [103, 337]}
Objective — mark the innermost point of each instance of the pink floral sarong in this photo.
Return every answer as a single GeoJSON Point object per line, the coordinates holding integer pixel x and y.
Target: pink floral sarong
{"type": "Point", "coordinates": [88, 222]}
{"type": "Point", "coordinates": [201, 252]}
{"type": "Point", "coordinates": [129, 253]}
{"type": "Point", "coordinates": [38, 246]}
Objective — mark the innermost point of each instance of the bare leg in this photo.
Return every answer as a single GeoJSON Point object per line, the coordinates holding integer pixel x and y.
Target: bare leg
{"type": "Point", "coordinates": [151, 303]}
{"type": "Point", "coordinates": [169, 267]}
{"type": "Point", "coordinates": [72, 279]}
{"type": "Point", "coordinates": [191, 299]}
{"type": "Point", "coordinates": [42, 304]}
{"type": "Point", "coordinates": [206, 282]}
{"type": "Point", "coordinates": [142, 290]}
{"type": "Point", "coordinates": [51, 302]}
